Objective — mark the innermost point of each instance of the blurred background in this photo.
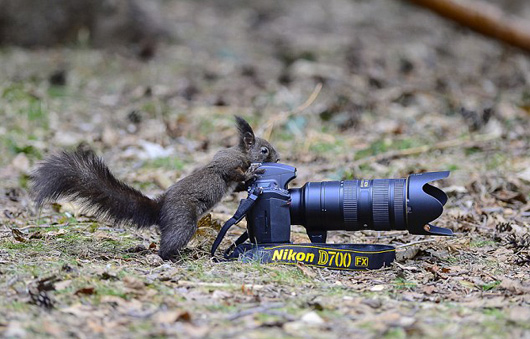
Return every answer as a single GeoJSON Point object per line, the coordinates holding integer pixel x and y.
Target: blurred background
{"type": "Point", "coordinates": [158, 82]}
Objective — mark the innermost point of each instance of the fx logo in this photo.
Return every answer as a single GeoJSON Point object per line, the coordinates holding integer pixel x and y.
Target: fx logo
{"type": "Point", "coordinates": [361, 261]}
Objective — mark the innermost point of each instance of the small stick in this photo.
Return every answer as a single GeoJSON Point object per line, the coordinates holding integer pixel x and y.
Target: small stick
{"type": "Point", "coordinates": [415, 243]}
{"type": "Point", "coordinates": [259, 309]}
{"type": "Point", "coordinates": [214, 284]}
{"type": "Point", "coordinates": [482, 18]}
{"type": "Point", "coordinates": [280, 118]}
{"type": "Point", "coordinates": [463, 142]}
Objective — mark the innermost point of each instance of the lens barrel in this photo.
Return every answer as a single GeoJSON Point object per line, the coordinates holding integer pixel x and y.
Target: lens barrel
{"type": "Point", "coordinates": [378, 204]}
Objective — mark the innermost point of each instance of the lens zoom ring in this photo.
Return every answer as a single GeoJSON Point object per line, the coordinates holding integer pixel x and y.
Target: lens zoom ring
{"type": "Point", "coordinates": [399, 201]}
{"type": "Point", "coordinates": [350, 203]}
{"type": "Point", "coordinates": [380, 204]}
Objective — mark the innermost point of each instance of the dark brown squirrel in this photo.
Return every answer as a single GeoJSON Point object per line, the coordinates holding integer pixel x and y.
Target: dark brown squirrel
{"type": "Point", "coordinates": [83, 177]}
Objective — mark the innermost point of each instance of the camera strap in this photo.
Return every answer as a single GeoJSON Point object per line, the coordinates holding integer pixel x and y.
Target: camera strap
{"type": "Point", "coordinates": [350, 257]}
{"type": "Point", "coordinates": [335, 256]}
{"type": "Point", "coordinates": [243, 208]}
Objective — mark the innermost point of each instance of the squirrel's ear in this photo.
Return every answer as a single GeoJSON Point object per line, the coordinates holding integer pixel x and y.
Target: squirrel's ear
{"type": "Point", "coordinates": [246, 134]}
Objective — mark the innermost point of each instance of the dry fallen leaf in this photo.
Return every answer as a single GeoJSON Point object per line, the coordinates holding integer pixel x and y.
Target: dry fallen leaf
{"type": "Point", "coordinates": [307, 271]}
{"type": "Point", "coordinates": [169, 317]}
{"type": "Point", "coordinates": [85, 290]}
{"type": "Point", "coordinates": [133, 283]}
{"type": "Point", "coordinates": [18, 235]}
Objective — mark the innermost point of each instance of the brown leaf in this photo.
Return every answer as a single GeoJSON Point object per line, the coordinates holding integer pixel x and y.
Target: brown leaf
{"type": "Point", "coordinates": [509, 196]}
{"type": "Point", "coordinates": [307, 271]}
{"type": "Point", "coordinates": [18, 235]}
{"type": "Point", "coordinates": [133, 283]}
{"type": "Point", "coordinates": [85, 290]}
{"type": "Point", "coordinates": [169, 317]}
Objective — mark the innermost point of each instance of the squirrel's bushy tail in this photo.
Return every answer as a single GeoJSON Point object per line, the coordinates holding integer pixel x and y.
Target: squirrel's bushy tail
{"type": "Point", "coordinates": [83, 177]}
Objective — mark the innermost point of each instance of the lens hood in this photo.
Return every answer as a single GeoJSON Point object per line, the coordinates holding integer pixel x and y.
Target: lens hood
{"type": "Point", "coordinates": [425, 203]}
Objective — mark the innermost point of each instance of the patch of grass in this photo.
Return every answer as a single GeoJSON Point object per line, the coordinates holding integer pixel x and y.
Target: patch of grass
{"type": "Point", "coordinates": [169, 163]}
{"type": "Point", "coordinates": [496, 161]}
{"type": "Point", "coordinates": [222, 307]}
{"type": "Point", "coordinates": [491, 285]}
{"type": "Point", "coordinates": [57, 91]}
{"type": "Point", "coordinates": [325, 147]}
{"type": "Point", "coordinates": [285, 275]}
{"type": "Point", "coordinates": [451, 259]}
{"type": "Point", "coordinates": [401, 283]}
{"type": "Point", "coordinates": [481, 243]}
{"type": "Point", "coordinates": [26, 104]}
{"type": "Point", "coordinates": [385, 145]}
{"type": "Point", "coordinates": [33, 245]}
{"type": "Point", "coordinates": [109, 289]}
{"type": "Point", "coordinates": [17, 306]}
{"type": "Point", "coordinates": [117, 245]}
{"type": "Point", "coordinates": [395, 333]}
{"type": "Point", "coordinates": [16, 147]}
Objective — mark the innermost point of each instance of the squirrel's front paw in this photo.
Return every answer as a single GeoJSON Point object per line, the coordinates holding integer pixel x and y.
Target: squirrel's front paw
{"type": "Point", "coordinates": [253, 171]}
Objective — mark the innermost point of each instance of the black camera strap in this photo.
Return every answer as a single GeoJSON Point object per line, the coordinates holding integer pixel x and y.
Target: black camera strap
{"type": "Point", "coordinates": [334, 256]}
{"type": "Point", "coordinates": [351, 257]}
{"type": "Point", "coordinates": [243, 208]}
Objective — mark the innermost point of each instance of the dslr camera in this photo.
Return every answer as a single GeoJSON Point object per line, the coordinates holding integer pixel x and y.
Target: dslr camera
{"type": "Point", "coordinates": [350, 205]}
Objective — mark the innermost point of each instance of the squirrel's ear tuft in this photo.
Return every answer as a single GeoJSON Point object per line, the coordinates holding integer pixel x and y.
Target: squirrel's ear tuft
{"type": "Point", "coordinates": [246, 134]}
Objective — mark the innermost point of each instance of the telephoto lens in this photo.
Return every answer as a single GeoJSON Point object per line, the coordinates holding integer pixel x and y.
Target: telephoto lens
{"type": "Point", "coordinates": [378, 204]}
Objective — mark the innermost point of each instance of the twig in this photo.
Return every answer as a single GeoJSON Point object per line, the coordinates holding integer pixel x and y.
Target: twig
{"type": "Point", "coordinates": [45, 226]}
{"type": "Point", "coordinates": [423, 242]}
{"type": "Point", "coordinates": [415, 243]}
{"type": "Point", "coordinates": [483, 18]}
{"type": "Point", "coordinates": [462, 142]}
{"type": "Point", "coordinates": [283, 116]}
{"type": "Point", "coordinates": [214, 284]}
{"type": "Point", "coordinates": [259, 309]}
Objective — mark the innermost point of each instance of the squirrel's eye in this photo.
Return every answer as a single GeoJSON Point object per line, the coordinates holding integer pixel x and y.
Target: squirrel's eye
{"type": "Point", "coordinates": [264, 150]}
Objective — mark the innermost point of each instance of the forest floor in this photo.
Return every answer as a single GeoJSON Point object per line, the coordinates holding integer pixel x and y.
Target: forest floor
{"type": "Point", "coordinates": [390, 90]}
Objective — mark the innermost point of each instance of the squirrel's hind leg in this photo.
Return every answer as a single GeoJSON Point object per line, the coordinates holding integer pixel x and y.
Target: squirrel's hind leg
{"type": "Point", "coordinates": [177, 228]}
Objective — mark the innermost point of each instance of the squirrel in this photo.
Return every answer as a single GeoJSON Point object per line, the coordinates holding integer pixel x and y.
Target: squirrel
{"type": "Point", "coordinates": [83, 177]}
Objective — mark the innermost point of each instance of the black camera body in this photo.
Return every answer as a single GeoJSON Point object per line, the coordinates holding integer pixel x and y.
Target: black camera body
{"type": "Point", "coordinates": [351, 205]}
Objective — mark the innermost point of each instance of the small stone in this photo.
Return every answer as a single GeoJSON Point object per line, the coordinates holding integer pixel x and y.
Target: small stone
{"type": "Point", "coordinates": [154, 260]}
{"type": "Point", "coordinates": [312, 318]}
{"type": "Point", "coordinates": [377, 288]}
